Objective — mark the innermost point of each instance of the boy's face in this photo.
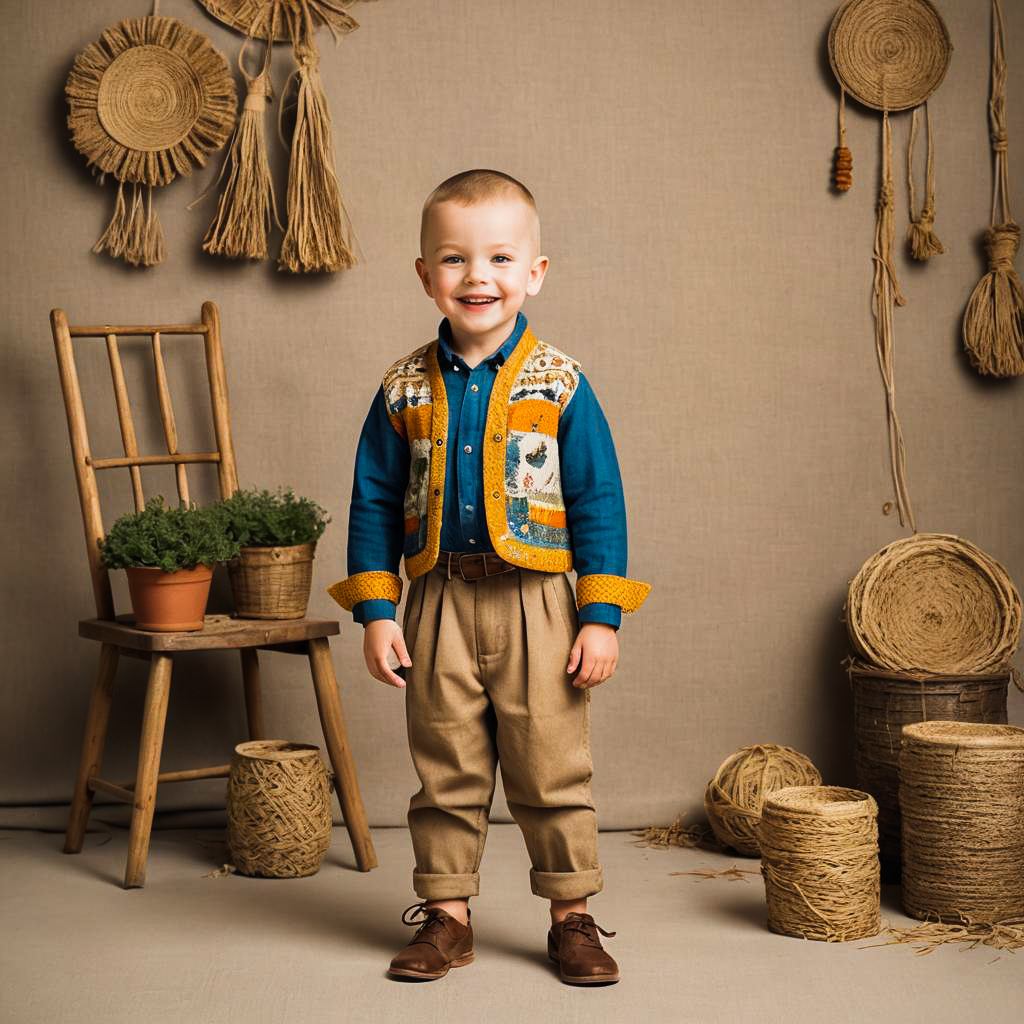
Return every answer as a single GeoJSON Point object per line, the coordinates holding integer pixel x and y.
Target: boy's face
{"type": "Point", "coordinates": [479, 263]}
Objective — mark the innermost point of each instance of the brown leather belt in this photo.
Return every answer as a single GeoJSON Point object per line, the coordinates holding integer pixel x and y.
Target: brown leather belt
{"type": "Point", "coordinates": [467, 565]}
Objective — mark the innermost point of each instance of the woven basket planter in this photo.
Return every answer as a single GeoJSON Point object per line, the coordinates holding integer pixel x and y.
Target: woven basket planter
{"type": "Point", "coordinates": [272, 583]}
{"type": "Point", "coordinates": [962, 799]}
{"type": "Point", "coordinates": [279, 811]}
{"type": "Point", "coordinates": [819, 859]}
{"type": "Point", "coordinates": [884, 702]}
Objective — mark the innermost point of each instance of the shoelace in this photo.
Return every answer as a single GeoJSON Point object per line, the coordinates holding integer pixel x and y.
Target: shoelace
{"type": "Point", "coordinates": [431, 922]}
{"type": "Point", "coordinates": [587, 927]}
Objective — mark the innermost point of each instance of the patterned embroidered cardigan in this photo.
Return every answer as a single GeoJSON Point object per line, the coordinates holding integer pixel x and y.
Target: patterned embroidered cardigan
{"type": "Point", "coordinates": [525, 510]}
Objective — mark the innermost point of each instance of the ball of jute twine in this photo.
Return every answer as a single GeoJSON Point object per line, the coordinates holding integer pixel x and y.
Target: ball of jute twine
{"type": "Point", "coordinates": [149, 100]}
{"type": "Point", "coordinates": [733, 798]}
{"type": "Point", "coordinates": [934, 603]}
{"type": "Point", "coordinates": [962, 800]}
{"type": "Point", "coordinates": [819, 859]}
{"type": "Point", "coordinates": [883, 702]}
{"type": "Point", "coordinates": [279, 814]}
{"type": "Point", "coordinates": [889, 54]}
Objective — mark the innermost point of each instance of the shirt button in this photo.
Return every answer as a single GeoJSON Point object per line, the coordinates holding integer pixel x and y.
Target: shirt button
{"type": "Point", "coordinates": [497, 437]}
{"type": "Point", "coordinates": [469, 508]}
{"type": "Point", "coordinates": [440, 441]}
{"type": "Point", "coordinates": [471, 540]}
{"type": "Point", "coordinates": [474, 387]}
{"type": "Point", "coordinates": [455, 367]}
{"type": "Point", "coordinates": [468, 449]}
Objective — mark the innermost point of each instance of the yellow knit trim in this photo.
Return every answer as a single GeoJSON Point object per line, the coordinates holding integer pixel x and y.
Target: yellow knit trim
{"type": "Point", "coordinates": [423, 561]}
{"type": "Point", "coordinates": [367, 586]}
{"type": "Point", "coordinates": [626, 593]}
{"type": "Point", "coordinates": [417, 421]}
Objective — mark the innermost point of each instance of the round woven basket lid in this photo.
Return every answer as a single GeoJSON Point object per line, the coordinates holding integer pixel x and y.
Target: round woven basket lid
{"type": "Point", "coordinates": [149, 100]}
{"type": "Point", "coordinates": [889, 54]}
{"type": "Point", "coordinates": [934, 602]}
{"type": "Point", "coordinates": [959, 735]}
{"type": "Point", "coordinates": [253, 17]}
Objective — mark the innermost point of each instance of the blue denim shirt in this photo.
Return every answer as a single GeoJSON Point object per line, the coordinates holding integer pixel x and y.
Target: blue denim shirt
{"type": "Point", "coordinates": [591, 485]}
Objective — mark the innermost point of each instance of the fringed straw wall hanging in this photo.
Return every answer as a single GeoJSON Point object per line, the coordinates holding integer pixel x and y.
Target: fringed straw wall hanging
{"type": "Point", "coordinates": [318, 234]}
{"type": "Point", "coordinates": [819, 859]}
{"type": "Point", "coordinates": [962, 798]}
{"type": "Point", "coordinates": [891, 55]}
{"type": "Point", "coordinates": [149, 100]}
{"type": "Point", "coordinates": [993, 329]}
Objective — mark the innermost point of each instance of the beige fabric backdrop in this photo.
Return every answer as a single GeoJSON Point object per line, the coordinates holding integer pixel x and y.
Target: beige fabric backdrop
{"type": "Point", "coordinates": [715, 290]}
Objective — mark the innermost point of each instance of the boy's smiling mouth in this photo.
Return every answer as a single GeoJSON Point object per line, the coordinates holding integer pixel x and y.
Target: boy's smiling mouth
{"type": "Point", "coordinates": [477, 300]}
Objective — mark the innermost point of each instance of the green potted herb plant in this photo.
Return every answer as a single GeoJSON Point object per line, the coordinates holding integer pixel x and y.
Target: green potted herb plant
{"type": "Point", "coordinates": [168, 555]}
{"type": "Point", "coordinates": [277, 531]}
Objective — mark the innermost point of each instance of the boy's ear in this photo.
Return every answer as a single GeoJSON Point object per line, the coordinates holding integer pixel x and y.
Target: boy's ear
{"type": "Point", "coordinates": [424, 275]}
{"type": "Point", "coordinates": [537, 272]}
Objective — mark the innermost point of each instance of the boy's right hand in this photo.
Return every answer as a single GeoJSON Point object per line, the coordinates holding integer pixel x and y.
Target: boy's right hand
{"type": "Point", "coordinates": [380, 638]}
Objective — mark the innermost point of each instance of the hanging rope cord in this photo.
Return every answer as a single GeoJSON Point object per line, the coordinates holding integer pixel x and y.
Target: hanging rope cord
{"type": "Point", "coordinates": [886, 294]}
{"type": "Point", "coordinates": [921, 238]}
{"type": "Point", "coordinates": [992, 329]}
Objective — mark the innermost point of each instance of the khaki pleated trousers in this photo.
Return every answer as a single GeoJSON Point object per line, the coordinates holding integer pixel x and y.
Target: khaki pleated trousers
{"type": "Point", "coordinates": [488, 685]}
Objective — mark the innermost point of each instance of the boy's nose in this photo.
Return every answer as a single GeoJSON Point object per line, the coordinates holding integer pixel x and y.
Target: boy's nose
{"type": "Point", "coordinates": [476, 272]}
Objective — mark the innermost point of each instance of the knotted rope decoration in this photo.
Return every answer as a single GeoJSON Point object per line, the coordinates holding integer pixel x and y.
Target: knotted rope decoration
{"type": "Point", "coordinates": [962, 800]}
{"type": "Point", "coordinates": [819, 859]}
{"type": "Point", "coordinates": [733, 798]}
{"type": "Point", "coordinates": [279, 814]}
{"type": "Point", "coordinates": [842, 161]}
{"type": "Point", "coordinates": [992, 329]}
{"type": "Point", "coordinates": [242, 224]}
{"type": "Point", "coordinates": [148, 101]}
{"type": "Point", "coordinates": [934, 603]}
{"type": "Point", "coordinates": [921, 238]}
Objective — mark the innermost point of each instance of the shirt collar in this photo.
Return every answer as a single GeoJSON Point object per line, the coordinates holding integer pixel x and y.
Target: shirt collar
{"type": "Point", "coordinates": [495, 359]}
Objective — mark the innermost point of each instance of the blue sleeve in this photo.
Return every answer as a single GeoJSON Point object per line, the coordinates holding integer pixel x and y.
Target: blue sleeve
{"type": "Point", "coordinates": [594, 503]}
{"type": "Point", "coordinates": [376, 520]}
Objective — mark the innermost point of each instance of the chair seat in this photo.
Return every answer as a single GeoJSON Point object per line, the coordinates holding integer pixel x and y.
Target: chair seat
{"type": "Point", "coordinates": [219, 632]}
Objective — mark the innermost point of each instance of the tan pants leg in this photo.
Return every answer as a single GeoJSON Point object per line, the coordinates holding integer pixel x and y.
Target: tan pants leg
{"type": "Point", "coordinates": [488, 685]}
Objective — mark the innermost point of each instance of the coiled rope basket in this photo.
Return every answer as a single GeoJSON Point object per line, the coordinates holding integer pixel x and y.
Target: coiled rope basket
{"type": "Point", "coordinates": [733, 798]}
{"type": "Point", "coordinates": [936, 603]}
{"type": "Point", "coordinates": [819, 859]}
{"type": "Point", "coordinates": [962, 799]}
{"type": "Point", "coordinates": [279, 813]}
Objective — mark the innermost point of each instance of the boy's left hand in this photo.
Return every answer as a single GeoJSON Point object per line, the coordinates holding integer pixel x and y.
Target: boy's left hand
{"type": "Point", "coordinates": [595, 653]}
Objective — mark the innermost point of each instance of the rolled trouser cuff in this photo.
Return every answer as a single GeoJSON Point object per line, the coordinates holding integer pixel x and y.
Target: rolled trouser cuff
{"type": "Point", "coordinates": [566, 885]}
{"type": "Point", "coordinates": [445, 887]}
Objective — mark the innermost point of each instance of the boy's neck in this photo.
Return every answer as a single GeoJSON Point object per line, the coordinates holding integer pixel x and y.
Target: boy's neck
{"type": "Point", "coordinates": [474, 349]}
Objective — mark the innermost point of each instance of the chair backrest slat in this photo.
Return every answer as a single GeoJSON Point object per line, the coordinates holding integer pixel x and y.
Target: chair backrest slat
{"type": "Point", "coordinates": [86, 466]}
{"type": "Point", "coordinates": [124, 418]}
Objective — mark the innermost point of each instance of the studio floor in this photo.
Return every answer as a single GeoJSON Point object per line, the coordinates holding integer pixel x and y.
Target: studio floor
{"type": "Point", "coordinates": [197, 948]}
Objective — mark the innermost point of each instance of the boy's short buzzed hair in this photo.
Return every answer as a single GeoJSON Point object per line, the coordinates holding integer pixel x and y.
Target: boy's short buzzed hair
{"type": "Point", "coordinates": [477, 185]}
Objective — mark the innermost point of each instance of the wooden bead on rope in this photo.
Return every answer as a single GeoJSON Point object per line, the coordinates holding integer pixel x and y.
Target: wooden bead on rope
{"type": "Point", "coordinates": [819, 859]}
{"type": "Point", "coordinates": [962, 800]}
{"type": "Point", "coordinates": [733, 798]}
{"type": "Point", "coordinates": [279, 814]}
{"type": "Point", "coordinates": [842, 169]}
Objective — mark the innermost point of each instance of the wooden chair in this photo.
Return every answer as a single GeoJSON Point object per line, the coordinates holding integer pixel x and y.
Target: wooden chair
{"type": "Point", "coordinates": [117, 634]}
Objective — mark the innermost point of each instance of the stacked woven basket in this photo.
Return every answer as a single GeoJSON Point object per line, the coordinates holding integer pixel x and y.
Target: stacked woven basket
{"type": "Point", "coordinates": [934, 623]}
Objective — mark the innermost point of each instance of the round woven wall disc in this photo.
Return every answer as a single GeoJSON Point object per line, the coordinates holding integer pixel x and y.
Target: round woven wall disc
{"type": "Point", "coordinates": [252, 17]}
{"type": "Point", "coordinates": [149, 98]}
{"type": "Point", "coordinates": [889, 54]}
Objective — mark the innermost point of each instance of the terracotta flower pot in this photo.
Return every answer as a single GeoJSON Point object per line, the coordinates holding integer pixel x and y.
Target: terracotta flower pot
{"type": "Point", "coordinates": [169, 602]}
{"type": "Point", "coordinates": [272, 583]}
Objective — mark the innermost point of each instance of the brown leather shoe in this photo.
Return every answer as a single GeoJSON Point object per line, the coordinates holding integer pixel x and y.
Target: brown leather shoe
{"type": "Point", "coordinates": [441, 942]}
{"type": "Point", "coordinates": [576, 947]}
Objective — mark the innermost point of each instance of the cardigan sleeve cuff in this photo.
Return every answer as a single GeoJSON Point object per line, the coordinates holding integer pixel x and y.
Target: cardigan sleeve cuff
{"type": "Point", "coordinates": [626, 593]}
{"type": "Point", "coordinates": [367, 586]}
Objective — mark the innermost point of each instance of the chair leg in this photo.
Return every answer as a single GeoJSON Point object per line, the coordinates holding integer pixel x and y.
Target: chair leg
{"type": "Point", "coordinates": [92, 748]}
{"type": "Point", "coordinates": [253, 693]}
{"type": "Point", "coordinates": [155, 715]}
{"type": "Point", "coordinates": [346, 783]}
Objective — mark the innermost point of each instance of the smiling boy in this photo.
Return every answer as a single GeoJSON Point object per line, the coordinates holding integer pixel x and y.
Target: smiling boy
{"type": "Point", "coordinates": [486, 460]}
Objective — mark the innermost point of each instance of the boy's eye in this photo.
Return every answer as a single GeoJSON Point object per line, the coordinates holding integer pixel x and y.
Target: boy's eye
{"type": "Point", "coordinates": [502, 259]}
{"type": "Point", "coordinates": [452, 259]}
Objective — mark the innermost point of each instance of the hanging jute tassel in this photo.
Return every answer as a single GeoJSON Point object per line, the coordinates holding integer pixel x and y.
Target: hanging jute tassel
{"type": "Point", "coordinates": [921, 238]}
{"type": "Point", "coordinates": [886, 294]}
{"type": "Point", "coordinates": [842, 166]}
{"type": "Point", "coordinates": [992, 329]}
{"type": "Point", "coordinates": [242, 224]}
{"type": "Point", "coordinates": [134, 234]}
{"type": "Point", "coordinates": [318, 236]}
